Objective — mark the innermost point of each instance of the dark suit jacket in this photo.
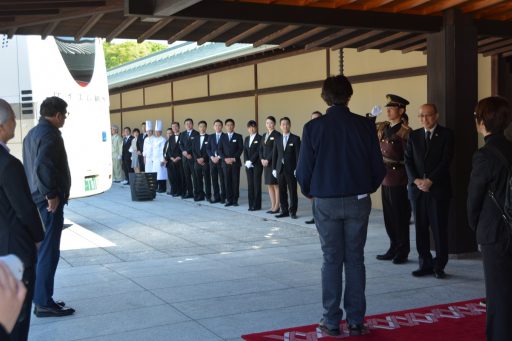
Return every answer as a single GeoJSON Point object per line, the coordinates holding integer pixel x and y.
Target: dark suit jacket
{"type": "Point", "coordinates": [340, 156]}
{"type": "Point", "coordinates": [200, 151]}
{"type": "Point", "coordinates": [20, 225]}
{"type": "Point", "coordinates": [186, 141]}
{"type": "Point", "coordinates": [488, 173]}
{"type": "Point", "coordinates": [233, 148]}
{"type": "Point", "coordinates": [252, 152]}
{"type": "Point", "coordinates": [212, 144]}
{"type": "Point", "coordinates": [267, 148]}
{"type": "Point", "coordinates": [290, 155]}
{"type": "Point", "coordinates": [433, 164]}
{"type": "Point", "coordinates": [140, 143]}
{"type": "Point", "coordinates": [127, 155]}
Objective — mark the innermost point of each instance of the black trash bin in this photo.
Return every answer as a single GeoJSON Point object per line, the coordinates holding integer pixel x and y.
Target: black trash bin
{"type": "Point", "coordinates": [143, 186]}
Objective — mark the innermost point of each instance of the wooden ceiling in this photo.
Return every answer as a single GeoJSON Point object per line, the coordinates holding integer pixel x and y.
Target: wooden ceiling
{"type": "Point", "coordinates": [311, 24]}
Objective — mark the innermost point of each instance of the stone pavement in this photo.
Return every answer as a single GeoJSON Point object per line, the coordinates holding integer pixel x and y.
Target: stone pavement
{"type": "Point", "coordinates": [171, 269]}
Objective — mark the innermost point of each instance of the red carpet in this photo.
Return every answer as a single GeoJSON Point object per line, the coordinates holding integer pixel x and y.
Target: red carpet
{"type": "Point", "coordinates": [460, 321]}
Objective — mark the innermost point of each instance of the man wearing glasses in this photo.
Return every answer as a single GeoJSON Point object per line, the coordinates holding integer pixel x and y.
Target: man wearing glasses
{"type": "Point", "coordinates": [428, 156]}
{"type": "Point", "coordinates": [46, 164]}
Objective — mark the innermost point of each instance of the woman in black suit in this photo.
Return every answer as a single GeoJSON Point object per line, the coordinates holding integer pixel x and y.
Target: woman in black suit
{"type": "Point", "coordinates": [267, 148]}
{"type": "Point", "coordinates": [492, 116]}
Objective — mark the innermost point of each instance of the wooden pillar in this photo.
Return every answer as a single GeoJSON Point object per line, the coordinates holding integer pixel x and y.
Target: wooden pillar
{"type": "Point", "coordinates": [452, 76]}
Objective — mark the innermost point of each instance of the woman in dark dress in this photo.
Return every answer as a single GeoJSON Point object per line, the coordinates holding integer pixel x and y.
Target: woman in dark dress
{"type": "Point", "coordinates": [489, 173]}
{"type": "Point", "coordinates": [266, 150]}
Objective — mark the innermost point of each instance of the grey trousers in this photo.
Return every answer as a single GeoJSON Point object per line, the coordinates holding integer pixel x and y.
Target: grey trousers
{"type": "Point", "coordinates": [342, 225]}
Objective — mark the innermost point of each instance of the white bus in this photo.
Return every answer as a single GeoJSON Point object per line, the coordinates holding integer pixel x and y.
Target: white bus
{"type": "Point", "coordinates": [32, 69]}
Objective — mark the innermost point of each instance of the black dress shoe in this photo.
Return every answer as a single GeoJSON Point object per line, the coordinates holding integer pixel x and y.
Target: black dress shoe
{"type": "Point", "coordinates": [222, 201]}
{"type": "Point", "coordinates": [387, 256]}
{"type": "Point", "coordinates": [400, 260]}
{"type": "Point", "coordinates": [256, 208]}
{"type": "Point", "coordinates": [282, 215]}
{"type": "Point", "coordinates": [312, 221]}
{"type": "Point", "coordinates": [250, 209]}
{"type": "Point", "coordinates": [422, 272]}
{"type": "Point", "coordinates": [269, 212]}
{"type": "Point", "coordinates": [54, 311]}
{"type": "Point", "coordinates": [293, 215]}
{"type": "Point", "coordinates": [228, 204]}
{"type": "Point", "coordinates": [235, 204]}
{"type": "Point", "coordinates": [189, 196]}
{"type": "Point", "coordinates": [440, 274]}
{"type": "Point", "coordinates": [215, 201]}
{"type": "Point", "coordinates": [175, 195]}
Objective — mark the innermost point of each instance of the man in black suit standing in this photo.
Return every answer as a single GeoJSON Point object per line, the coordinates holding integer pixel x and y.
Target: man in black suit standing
{"type": "Point", "coordinates": [127, 155]}
{"type": "Point", "coordinates": [254, 168]}
{"type": "Point", "coordinates": [216, 172]}
{"type": "Point", "coordinates": [140, 146]}
{"type": "Point", "coordinates": [428, 155]}
{"type": "Point", "coordinates": [188, 161]}
{"type": "Point", "coordinates": [284, 164]}
{"type": "Point", "coordinates": [21, 229]}
{"type": "Point", "coordinates": [203, 190]}
{"type": "Point", "coordinates": [230, 148]}
{"type": "Point", "coordinates": [173, 156]}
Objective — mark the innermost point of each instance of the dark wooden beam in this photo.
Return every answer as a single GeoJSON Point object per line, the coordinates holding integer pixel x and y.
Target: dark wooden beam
{"type": "Point", "coordinates": [48, 30]}
{"type": "Point", "coordinates": [402, 43]}
{"type": "Point", "coordinates": [87, 26]}
{"type": "Point", "coordinates": [33, 5]}
{"type": "Point", "coordinates": [495, 45]}
{"type": "Point", "coordinates": [16, 12]}
{"type": "Point", "coordinates": [356, 39]}
{"type": "Point", "coordinates": [217, 32]}
{"type": "Point", "coordinates": [503, 49]}
{"type": "Point", "coordinates": [121, 27]}
{"type": "Point", "coordinates": [310, 16]}
{"type": "Point", "coordinates": [154, 29]}
{"type": "Point", "coordinates": [185, 31]}
{"type": "Point", "coordinates": [488, 40]}
{"type": "Point", "coordinates": [302, 37]}
{"type": "Point", "coordinates": [246, 34]}
{"type": "Point", "coordinates": [416, 47]}
{"type": "Point", "coordinates": [330, 37]}
{"type": "Point", "coordinates": [382, 41]}
{"type": "Point", "coordinates": [275, 35]}
{"type": "Point", "coordinates": [478, 5]}
{"type": "Point", "coordinates": [441, 5]}
{"type": "Point", "coordinates": [494, 28]}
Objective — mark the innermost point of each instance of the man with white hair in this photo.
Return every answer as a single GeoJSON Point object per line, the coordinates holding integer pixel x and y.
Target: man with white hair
{"type": "Point", "coordinates": [157, 155]}
{"type": "Point", "coordinates": [21, 229]}
{"type": "Point", "coordinates": [117, 151]}
{"type": "Point", "coordinates": [148, 147]}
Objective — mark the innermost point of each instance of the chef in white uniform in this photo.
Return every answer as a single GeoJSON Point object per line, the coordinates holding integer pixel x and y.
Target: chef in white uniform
{"type": "Point", "coordinates": [148, 147]}
{"type": "Point", "coordinates": [157, 155]}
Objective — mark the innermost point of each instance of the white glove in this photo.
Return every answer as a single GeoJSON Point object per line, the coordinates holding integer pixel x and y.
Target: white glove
{"type": "Point", "coordinates": [376, 110]}
{"type": "Point", "coordinates": [248, 164]}
{"type": "Point", "coordinates": [119, 157]}
{"type": "Point", "coordinates": [274, 173]}
{"type": "Point", "coordinates": [295, 173]}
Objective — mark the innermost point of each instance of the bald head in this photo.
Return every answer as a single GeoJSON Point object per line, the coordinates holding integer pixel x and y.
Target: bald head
{"type": "Point", "coordinates": [5, 111]}
{"type": "Point", "coordinates": [428, 115]}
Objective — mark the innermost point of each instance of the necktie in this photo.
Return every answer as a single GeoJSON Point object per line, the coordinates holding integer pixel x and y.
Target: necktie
{"type": "Point", "coordinates": [218, 137]}
{"type": "Point", "coordinates": [189, 132]}
{"type": "Point", "coordinates": [230, 136]}
{"type": "Point", "coordinates": [285, 141]}
{"type": "Point", "coordinates": [427, 140]}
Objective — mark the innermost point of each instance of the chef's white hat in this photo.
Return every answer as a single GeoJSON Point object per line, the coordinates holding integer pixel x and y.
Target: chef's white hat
{"type": "Point", "coordinates": [149, 125]}
{"type": "Point", "coordinates": [158, 125]}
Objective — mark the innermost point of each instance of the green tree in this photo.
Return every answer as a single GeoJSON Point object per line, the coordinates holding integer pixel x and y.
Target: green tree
{"type": "Point", "coordinates": [117, 54]}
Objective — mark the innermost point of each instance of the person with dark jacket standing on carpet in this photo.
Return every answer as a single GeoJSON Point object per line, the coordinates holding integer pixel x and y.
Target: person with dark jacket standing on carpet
{"type": "Point", "coordinates": [46, 165]}
{"type": "Point", "coordinates": [428, 155]}
{"type": "Point", "coordinates": [21, 229]}
{"type": "Point", "coordinates": [340, 164]}
{"type": "Point", "coordinates": [492, 165]}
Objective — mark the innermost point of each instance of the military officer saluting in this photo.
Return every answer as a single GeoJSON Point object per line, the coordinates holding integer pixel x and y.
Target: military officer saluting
{"type": "Point", "coordinates": [393, 135]}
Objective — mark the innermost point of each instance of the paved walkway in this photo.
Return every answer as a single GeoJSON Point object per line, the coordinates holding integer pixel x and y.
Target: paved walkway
{"type": "Point", "coordinates": [174, 270]}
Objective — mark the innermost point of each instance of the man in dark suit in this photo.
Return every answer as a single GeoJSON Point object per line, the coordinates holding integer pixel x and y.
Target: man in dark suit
{"type": "Point", "coordinates": [186, 138]}
{"type": "Point", "coordinates": [428, 155]}
{"type": "Point", "coordinates": [203, 190]}
{"type": "Point", "coordinates": [140, 146]}
{"type": "Point", "coordinates": [127, 155]}
{"type": "Point", "coordinates": [315, 114]}
{"type": "Point", "coordinates": [230, 148]}
{"type": "Point", "coordinates": [284, 164]}
{"type": "Point", "coordinates": [172, 154]}
{"type": "Point", "coordinates": [216, 172]}
{"type": "Point", "coordinates": [254, 168]}
{"type": "Point", "coordinates": [21, 229]}
{"type": "Point", "coordinates": [340, 164]}
{"type": "Point", "coordinates": [46, 164]}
